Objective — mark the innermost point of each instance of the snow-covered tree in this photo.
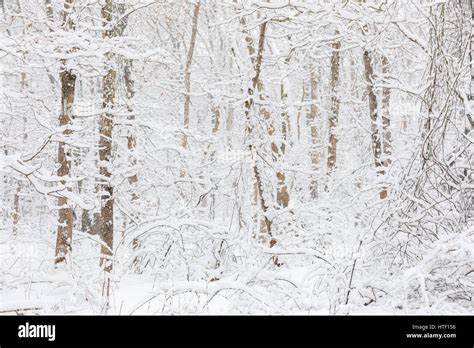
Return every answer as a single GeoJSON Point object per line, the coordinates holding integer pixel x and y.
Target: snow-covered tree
{"type": "Point", "coordinates": [245, 156]}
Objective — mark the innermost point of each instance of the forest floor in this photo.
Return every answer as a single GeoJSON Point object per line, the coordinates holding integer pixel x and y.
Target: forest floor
{"type": "Point", "coordinates": [32, 285]}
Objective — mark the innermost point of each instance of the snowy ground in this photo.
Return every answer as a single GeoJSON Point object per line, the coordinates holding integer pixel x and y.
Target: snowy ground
{"type": "Point", "coordinates": [31, 285]}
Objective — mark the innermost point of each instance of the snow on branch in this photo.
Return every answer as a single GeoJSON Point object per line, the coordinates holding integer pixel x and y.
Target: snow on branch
{"type": "Point", "coordinates": [37, 180]}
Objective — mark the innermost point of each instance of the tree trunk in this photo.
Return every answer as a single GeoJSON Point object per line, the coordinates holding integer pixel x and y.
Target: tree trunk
{"type": "Point", "coordinates": [334, 111]}
{"type": "Point", "coordinates": [64, 236]}
{"type": "Point", "coordinates": [131, 145]}
{"type": "Point", "coordinates": [105, 149]}
{"type": "Point", "coordinates": [285, 116]}
{"type": "Point", "coordinates": [386, 133]}
{"type": "Point", "coordinates": [216, 119]}
{"type": "Point", "coordinates": [129, 94]}
{"type": "Point", "coordinates": [86, 224]}
{"type": "Point", "coordinates": [298, 116]}
{"type": "Point", "coordinates": [265, 223]}
{"type": "Point", "coordinates": [187, 73]}
{"type": "Point", "coordinates": [376, 141]}
{"type": "Point", "coordinates": [311, 120]}
{"type": "Point", "coordinates": [283, 196]}
{"type": "Point", "coordinates": [16, 209]}
{"type": "Point", "coordinates": [229, 125]}
{"type": "Point", "coordinates": [131, 131]}
{"type": "Point", "coordinates": [131, 134]}
{"type": "Point", "coordinates": [282, 191]}
{"type": "Point", "coordinates": [16, 198]}
{"type": "Point", "coordinates": [469, 115]}
{"type": "Point", "coordinates": [68, 85]}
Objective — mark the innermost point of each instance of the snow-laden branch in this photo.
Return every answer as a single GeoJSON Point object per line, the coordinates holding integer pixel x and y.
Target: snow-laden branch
{"type": "Point", "coordinates": [173, 288]}
{"type": "Point", "coordinates": [37, 179]}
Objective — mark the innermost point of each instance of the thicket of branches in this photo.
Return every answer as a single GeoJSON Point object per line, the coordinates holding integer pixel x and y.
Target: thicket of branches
{"type": "Point", "coordinates": [255, 156]}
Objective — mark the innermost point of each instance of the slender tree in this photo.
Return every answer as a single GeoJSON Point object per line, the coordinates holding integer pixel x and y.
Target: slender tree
{"type": "Point", "coordinates": [334, 108]}
{"type": "Point", "coordinates": [68, 86]}
{"type": "Point", "coordinates": [105, 145]}
{"type": "Point", "coordinates": [187, 72]}
{"type": "Point", "coordinates": [312, 120]}
{"type": "Point", "coordinates": [387, 134]}
{"type": "Point", "coordinates": [265, 224]}
{"type": "Point", "coordinates": [373, 112]}
{"type": "Point", "coordinates": [469, 114]}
